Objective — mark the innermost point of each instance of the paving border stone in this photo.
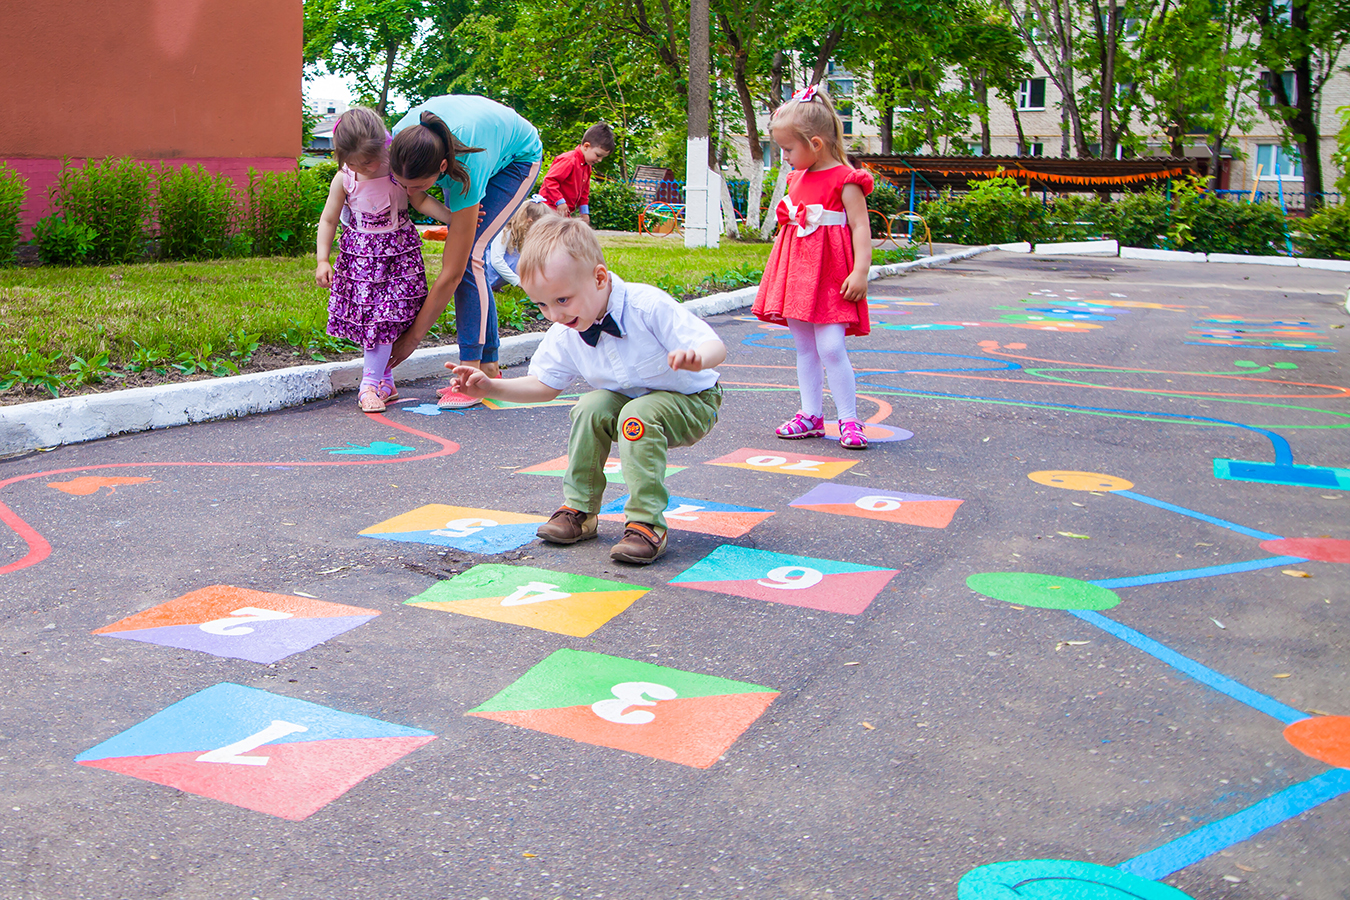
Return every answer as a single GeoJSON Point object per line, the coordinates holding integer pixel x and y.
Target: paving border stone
{"type": "Point", "coordinates": [44, 424]}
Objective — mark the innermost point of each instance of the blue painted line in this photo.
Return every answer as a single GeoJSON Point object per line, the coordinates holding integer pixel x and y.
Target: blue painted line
{"type": "Point", "coordinates": [1222, 523]}
{"type": "Point", "coordinates": [1210, 839]}
{"type": "Point", "coordinates": [1203, 674]}
{"type": "Point", "coordinates": [1284, 455]}
{"type": "Point", "coordinates": [1207, 572]}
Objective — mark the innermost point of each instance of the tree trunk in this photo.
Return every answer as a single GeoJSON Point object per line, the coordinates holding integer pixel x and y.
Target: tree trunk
{"type": "Point", "coordinates": [771, 215]}
{"type": "Point", "coordinates": [982, 98]}
{"type": "Point", "coordinates": [728, 209]}
{"type": "Point", "coordinates": [1022, 148]}
{"type": "Point", "coordinates": [832, 39]}
{"type": "Point", "coordinates": [888, 129]}
{"type": "Point", "coordinates": [390, 55]}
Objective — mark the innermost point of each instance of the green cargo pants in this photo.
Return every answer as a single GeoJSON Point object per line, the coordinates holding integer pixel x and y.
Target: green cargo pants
{"type": "Point", "coordinates": [645, 427]}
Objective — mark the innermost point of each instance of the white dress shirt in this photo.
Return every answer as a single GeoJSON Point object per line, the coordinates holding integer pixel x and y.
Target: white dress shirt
{"type": "Point", "coordinates": [653, 324]}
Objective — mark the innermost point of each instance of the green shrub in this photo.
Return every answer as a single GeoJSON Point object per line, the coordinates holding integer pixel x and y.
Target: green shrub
{"type": "Point", "coordinates": [113, 196]}
{"type": "Point", "coordinates": [63, 242]}
{"type": "Point", "coordinates": [1222, 226]}
{"type": "Point", "coordinates": [1076, 217]}
{"type": "Point", "coordinates": [1137, 219]}
{"type": "Point", "coordinates": [614, 206]}
{"type": "Point", "coordinates": [283, 211]}
{"type": "Point", "coordinates": [884, 198]}
{"type": "Point", "coordinates": [995, 211]}
{"type": "Point", "coordinates": [1325, 234]}
{"type": "Point", "coordinates": [12, 191]}
{"type": "Point", "coordinates": [198, 213]}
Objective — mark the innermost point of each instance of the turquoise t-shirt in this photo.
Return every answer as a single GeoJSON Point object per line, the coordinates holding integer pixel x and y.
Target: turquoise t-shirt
{"type": "Point", "coordinates": [479, 122]}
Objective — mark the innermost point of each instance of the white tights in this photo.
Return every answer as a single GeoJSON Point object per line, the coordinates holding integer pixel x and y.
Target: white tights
{"type": "Point", "coordinates": [823, 345]}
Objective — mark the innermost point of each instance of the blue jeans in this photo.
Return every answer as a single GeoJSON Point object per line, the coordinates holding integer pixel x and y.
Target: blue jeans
{"type": "Point", "coordinates": [475, 308]}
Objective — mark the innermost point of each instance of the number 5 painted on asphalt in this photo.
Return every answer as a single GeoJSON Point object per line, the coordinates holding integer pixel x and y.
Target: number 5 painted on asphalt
{"type": "Point", "coordinates": [463, 527]}
{"type": "Point", "coordinates": [233, 753]}
{"type": "Point", "coordinates": [239, 619]}
{"type": "Point", "coordinates": [631, 693]}
{"type": "Point", "coordinates": [784, 579]}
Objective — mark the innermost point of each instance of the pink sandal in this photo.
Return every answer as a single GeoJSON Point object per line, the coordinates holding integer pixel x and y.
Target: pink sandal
{"type": "Point", "coordinates": [801, 426]}
{"type": "Point", "coordinates": [369, 399]}
{"type": "Point", "coordinates": [388, 393]}
{"type": "Point", "coordinates": [851, 435]}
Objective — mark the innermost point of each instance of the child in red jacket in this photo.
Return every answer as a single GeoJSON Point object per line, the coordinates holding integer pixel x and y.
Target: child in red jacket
{"type": "Point", "coordinates": [567, 186]}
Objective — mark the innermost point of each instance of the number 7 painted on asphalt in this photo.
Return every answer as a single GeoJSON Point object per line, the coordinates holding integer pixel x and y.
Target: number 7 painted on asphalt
{"type": "Point", "coordinates": [233, 753]}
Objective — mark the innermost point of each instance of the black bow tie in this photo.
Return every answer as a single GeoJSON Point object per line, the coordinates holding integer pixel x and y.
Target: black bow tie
{"type": "Point", "coordinates": [592, 335]}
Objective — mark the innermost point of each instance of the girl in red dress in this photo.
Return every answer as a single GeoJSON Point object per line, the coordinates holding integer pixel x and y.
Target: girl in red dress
{"type": "Point", "coordinates": [816, 278]}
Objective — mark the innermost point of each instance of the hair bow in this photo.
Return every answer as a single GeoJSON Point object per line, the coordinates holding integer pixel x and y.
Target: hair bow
{"type": "Point", "coordinates": [536, 198]}
{"type": "Point", "coordinates": [806, 94]}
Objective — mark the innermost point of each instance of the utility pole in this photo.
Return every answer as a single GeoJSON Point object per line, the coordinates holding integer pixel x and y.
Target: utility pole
{"type": "Point", "coordinates": [702, 186]}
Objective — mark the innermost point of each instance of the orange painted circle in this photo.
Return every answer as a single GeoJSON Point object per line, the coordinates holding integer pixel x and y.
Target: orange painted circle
{"type": "Point", "coordinates": [1080, 481]}
{"type": "Point", "coordinates": [1318, 549]}
{"type": "Point", "coordinates": [632, 429]}
{"type": "Point", "coordinates": [1325, 738]}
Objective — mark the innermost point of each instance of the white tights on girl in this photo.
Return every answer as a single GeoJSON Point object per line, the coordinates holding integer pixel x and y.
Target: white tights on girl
{"type": "Point", "coordinates": [823, 346]}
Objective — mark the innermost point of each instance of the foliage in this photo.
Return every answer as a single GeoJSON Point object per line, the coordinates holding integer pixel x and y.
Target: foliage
{"type": "Point", "coordinates": [895, 255]}
{"type": "Point", "coordinates": [614, 206]}
{"type": "Point", "coordinates": [30, 366]}
{"type": "Point", "coordinates": [63, 242]}
{"type": "Point", "coordinates": [1222, 226]}
{"type": "Point", "coordinates": [198, 213]}
{"type": "Point", "coordinates": [315, 342]}
{"type": "Point", "coordinates": [363, 39]}
{"type": "Point", "coordinates": [13, 188]}
{"type": "Point", "coordinates": [114, 197]}
{"type": "Point", "coordinates": [514, 309]}
{"type": "Point", "coordinates": [283, 211]}
{"type": "Point", "coordinates": [1137, 219]}
{"type": "Point", "coordinates": [995, 211]}
{"type": "Point", "coordinates": [149, 359]}
{"type": "Point", "coordinates": [1342, 155]}
{"type": "Point", "coordinates": [90, 371]}
{"type": "Point", "coordinates": [1326, 233]}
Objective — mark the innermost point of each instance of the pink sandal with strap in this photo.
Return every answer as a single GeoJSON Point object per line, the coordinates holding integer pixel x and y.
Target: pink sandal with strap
{"type": "Point", "coordinates": [851, 435]}
{"type": "Point", "coordinates": [369, 399]}
{"type": "Point", "coordinates": [801, 426]}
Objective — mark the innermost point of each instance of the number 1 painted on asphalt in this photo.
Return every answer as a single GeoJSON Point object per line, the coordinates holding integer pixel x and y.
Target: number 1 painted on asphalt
{"type": "Point", "coordinates": [233, 754]}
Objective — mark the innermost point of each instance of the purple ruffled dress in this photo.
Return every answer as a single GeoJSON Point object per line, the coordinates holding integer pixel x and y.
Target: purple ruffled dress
{"type": "Point", "coordinates": [379, 281]}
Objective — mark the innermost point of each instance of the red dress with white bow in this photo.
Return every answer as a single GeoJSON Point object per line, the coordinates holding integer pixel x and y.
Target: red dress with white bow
{"type": "Point", "coordinates": [813, 253]}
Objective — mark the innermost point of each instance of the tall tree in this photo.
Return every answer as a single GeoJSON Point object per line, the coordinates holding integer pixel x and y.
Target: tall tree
{"type": "Point", "coordinates": [363, 39]}
{"type": "Point", "coordinates": [1305, 38]}
{"type": "Point", "coordinates": [1051, 30]}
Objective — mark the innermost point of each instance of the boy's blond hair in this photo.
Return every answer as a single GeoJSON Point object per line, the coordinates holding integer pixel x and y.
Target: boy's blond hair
{"type": "Point", "coordinates": [552, 235]}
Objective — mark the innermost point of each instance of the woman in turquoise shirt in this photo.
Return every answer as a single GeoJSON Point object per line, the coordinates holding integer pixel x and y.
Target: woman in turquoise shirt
{"type": "Point", "coordinates": [485, 158]}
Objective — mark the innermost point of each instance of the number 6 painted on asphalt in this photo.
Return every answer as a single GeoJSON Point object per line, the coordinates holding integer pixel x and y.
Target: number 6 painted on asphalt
{"type": "Point", "coordinates": [630, 693]}
{"type": "Point", "coordinates": [878, 503]}
{"type": "Point", "coordinates": [783, 578]}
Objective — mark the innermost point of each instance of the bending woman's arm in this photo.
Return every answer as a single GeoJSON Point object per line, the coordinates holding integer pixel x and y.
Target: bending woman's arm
{"type": "Point", "coordinates": [455, 259]}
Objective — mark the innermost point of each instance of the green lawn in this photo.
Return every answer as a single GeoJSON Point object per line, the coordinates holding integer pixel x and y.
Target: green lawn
{"type": "Point", "coordinates": [183, 307]}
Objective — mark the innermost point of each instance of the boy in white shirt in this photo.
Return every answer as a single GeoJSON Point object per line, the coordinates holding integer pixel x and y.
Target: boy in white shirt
{"type": "Point", "coordinates": [650, 362]}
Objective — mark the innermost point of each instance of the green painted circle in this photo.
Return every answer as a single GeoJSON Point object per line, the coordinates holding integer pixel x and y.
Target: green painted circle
{"type": "Point", "coordinates": [1043, 591]}
{"type": "Point", "coordinates": [1059, 879]}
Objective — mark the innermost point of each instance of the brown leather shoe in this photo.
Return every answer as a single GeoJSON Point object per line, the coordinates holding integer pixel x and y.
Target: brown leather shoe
{"type": "Point", "coordinates": [641, 544]}
{"type": "Point", "coordinates": [568, 526]}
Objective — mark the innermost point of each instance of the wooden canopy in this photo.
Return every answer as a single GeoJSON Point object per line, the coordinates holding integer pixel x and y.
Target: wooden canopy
{"type": "Point", "coordinates": [1038, 172]}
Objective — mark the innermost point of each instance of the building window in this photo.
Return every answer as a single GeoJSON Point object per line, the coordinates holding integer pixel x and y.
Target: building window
{"type": "Point", "coordinates": [1031, 95]}
{"type": "Point", "coordinates": [1269, 156]}
{"type": "Point", "coordinates": [1036, 148]}
{"type": "Point", "coordinates": [1268, 88]}
{"type": "Point", "coordinates": [331, 110]}
{"type": "Point", "coordinates": [976, 149]}
{"type": "Point", "coordinates": [841, 87]}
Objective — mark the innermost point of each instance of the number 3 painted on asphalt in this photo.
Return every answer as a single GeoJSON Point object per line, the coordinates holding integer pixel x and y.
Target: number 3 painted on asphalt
{"type": "Point", "coordinates": [631, 693]}
{"type": "Point", "coordinates": [239, 619]}
{"type": "Point", "coordinates": [784, 579]}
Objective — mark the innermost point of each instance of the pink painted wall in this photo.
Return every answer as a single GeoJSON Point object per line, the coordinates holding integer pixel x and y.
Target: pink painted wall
{"type": "Point", "coordinates": [184, 81]}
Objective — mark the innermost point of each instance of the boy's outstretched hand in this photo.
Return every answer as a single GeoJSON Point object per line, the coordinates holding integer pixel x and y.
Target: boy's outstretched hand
{"type": "Point", "coordinates": [470, 381]}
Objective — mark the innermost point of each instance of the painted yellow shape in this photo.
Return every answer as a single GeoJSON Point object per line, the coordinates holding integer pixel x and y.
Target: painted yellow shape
{"type": "Point", "coordinates": [1079, 481]}
{"type": "Point", "coordinates": [436, 516]}
{"type": "Point", "coordinates": [577, 615]}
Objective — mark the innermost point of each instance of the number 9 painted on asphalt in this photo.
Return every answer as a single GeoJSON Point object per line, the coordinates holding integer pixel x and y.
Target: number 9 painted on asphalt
{"type": "Point", "coordinates": [784, 578]}
{"type": "Point", "coordinates": [878, 503]}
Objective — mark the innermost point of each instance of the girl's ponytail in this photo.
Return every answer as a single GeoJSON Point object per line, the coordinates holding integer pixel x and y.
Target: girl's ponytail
{"type": "Point", "coordinates": [811, 114]}
{"type": "Point", "coordinates": [418, 151]}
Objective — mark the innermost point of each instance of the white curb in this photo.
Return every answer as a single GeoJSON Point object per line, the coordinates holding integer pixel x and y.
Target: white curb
{"type": "Point", "coordinates": [1161, 255]}
{"type": "Point", "coordinates": [88, 417]}
{"type": "Point", "coordinates": [1251, 260]}
{"type": "Point", "coordinates": [1079, 248]}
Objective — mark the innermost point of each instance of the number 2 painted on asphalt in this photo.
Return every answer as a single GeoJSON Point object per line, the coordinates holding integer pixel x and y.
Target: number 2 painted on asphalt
{"type": "Point", "coordinates": [534, 592]}
{"type": "Point", "coordinates": [464, 527]}
{"type": "Point", "coordinates": [632, 693]}
{"type": "Point", "coordinates": [233, 754]}
{"type": "Point", "coordinates": [784, 578]}
{"type": "Point", "coordinates": [237, 623]}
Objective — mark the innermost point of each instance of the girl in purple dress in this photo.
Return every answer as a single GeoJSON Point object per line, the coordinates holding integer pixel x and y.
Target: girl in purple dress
{"type": "Point", "coordinates": [379, 283]}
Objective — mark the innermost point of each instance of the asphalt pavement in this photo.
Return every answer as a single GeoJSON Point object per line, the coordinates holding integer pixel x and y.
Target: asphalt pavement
{"type": "Point", "coordinates": [1074, 623]}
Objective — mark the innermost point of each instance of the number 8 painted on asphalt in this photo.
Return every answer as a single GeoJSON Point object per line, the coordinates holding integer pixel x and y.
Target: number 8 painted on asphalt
{"type": "Point", "coordinates": [631, 693]}
{"type": "Point", "coordinates": [783, 578]}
